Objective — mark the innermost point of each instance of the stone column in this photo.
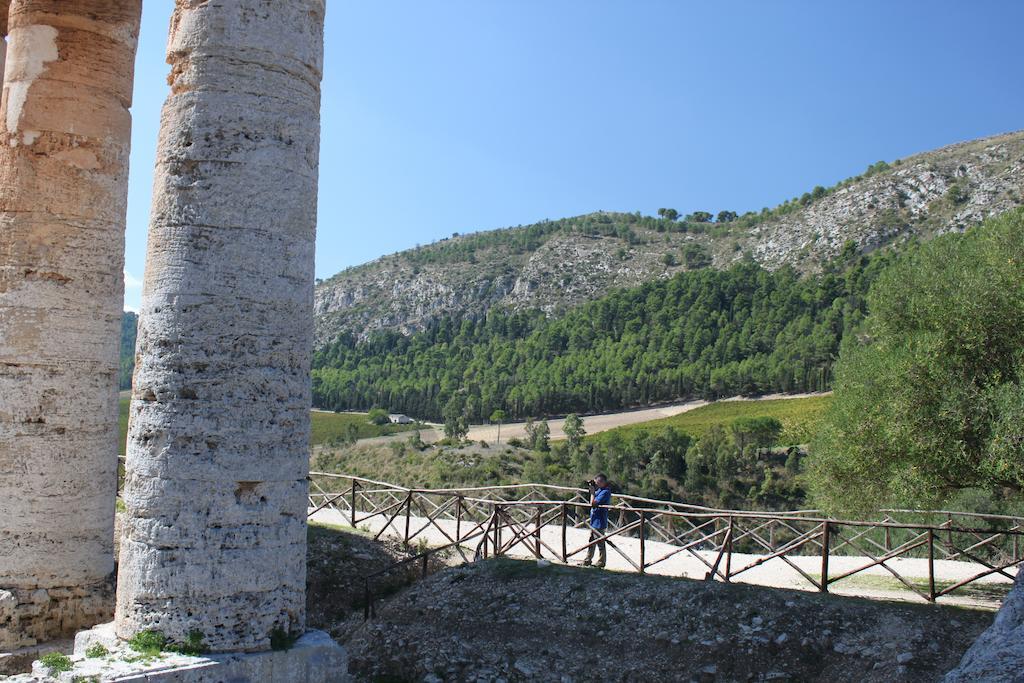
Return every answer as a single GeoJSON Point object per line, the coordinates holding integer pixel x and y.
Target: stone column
{"type": "Point", "coordinates": [64, 140]}
{"type": "Point", "coordinates": [5, 7]}
{"type": "Point", "coordinates": [218, 452]}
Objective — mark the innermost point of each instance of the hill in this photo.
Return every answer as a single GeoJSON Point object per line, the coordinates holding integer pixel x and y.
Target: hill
{"type": "Point", "coordinates": [525, 268]}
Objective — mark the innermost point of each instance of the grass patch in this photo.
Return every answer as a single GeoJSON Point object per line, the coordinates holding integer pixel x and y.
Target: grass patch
{"type": "Point", "coordinates": [334, 427]}
{"type": "Point", "coordinates": [56, 662]}
{"type": "Point", "coordinates": [327, 428]}
{"type": "Point", "coordinates": [799, 417]}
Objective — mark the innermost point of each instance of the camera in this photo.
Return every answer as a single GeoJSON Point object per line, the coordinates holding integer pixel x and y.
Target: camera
{"type": "Point", "coordinates": [589, 482]}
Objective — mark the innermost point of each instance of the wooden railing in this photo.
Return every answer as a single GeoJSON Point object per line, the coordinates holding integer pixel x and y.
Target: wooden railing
{"type": "Point", "coordinates": [536, 519]}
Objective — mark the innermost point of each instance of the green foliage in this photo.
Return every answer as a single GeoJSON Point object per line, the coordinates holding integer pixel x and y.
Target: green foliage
{"type": "Point", "coordinates": [704, 333]}
{"type": "Point", "coordinates": [930, 396]}
{"type": "Point", "coordinates": [759, 432]}
{"type": "Point", "coordinates": [696, 256]}
{"type": "Point", "coordinates": [538, 435]}
{"type": "Point", "coordinates": [378, 416]}
{"type": "Point", "coordinates": [574, 431]}
{"type": "Point", "coordinates": [456, 426]}
{"type": "Point", "coordinates": [726, 216]}
{"type": "Point", "coordinates": [129, 332]}
{"type": "Point", "coordinates": [668, 214]}
{"type": "Point", "coordinates": [56, 663]}
{"type": "Point", "coordinates": [800, 418]}
{"type": "Point", "coordinates": [148, 643]}
{"type": "Point", "coordinates": [649, 459]}
{"type": "Point", "coordinates": [193, 646]}
{"type": "Point", "coordinates": [282, 640]}
{"type": "Point", "coordinates": [96, 650]}
{"type": "Point", "coordinates": [340, 428]}
{"type": "Point", "coordinates": [699, 217]}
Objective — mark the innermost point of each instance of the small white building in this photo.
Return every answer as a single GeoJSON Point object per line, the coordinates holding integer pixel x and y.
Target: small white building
{"type": "Point", "coordinates": [399, 419]}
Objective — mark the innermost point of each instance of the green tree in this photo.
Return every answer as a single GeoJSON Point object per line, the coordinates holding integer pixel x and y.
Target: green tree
{"type": "Point", "coordinates": [455, 425]}
{"type": "Point", "coordinates": [760, 432]}
{"type": "Point", "coordinates": [538, 435]}
{"type": "Point", "coordinates": [499, 417]}
{"type": "Point", "coordinates": [574, 432]}
{"type": "Point", "coordinates": [726, 216]}
{"type": "Point", "coordinates": [929, 398]}
{"type": "Point", "coordinates": [700, 217]}
{"type": "Point", "coordinates": [379, 416]}
{"type": "Point", "coordinates": [668, 214]}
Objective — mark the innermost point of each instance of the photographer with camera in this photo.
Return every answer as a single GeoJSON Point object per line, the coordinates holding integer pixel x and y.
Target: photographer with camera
{"type": "Point", "coordinates": [600, 495]}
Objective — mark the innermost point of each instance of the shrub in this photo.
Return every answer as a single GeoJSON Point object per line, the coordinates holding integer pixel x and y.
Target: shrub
{"type": "Point", "coordinates": [56, 662]}
{"type": "Point", "coordinates": [96, 650]}
{"type": "Point", "coordinates": [150, 643]}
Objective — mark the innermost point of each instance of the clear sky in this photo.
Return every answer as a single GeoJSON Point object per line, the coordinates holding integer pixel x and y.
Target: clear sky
{"type": "Point", "coordinates": [444, 116]}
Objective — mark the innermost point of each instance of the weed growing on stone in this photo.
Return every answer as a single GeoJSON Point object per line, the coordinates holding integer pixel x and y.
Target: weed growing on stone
{"type": "Point", "coordinates": [96, 650]}
{"type": "Point", "coordinates": [56, 662]}
{"type": "Point", "coordinates": [281, 639]}
{"type": "Point", "coordinates": [148, 643]}
{"type": "Point", "coordinates": [193, 645]}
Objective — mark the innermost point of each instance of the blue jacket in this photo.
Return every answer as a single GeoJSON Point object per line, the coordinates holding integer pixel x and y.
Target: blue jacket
{"type": "Point", "coordinates": [599, 516]}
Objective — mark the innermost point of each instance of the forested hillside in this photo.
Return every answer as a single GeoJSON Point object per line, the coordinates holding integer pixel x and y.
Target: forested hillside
{"type": "Point", "coordinates": [129, 330]}
{"type": "Point", "coordinates": [556, 265]}
{"type": "Point", "coordinates": [707, 333]}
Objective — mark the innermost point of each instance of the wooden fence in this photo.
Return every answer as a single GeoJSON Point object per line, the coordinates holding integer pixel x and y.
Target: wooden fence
{"type": "Point", "coordinates": [493, 520]}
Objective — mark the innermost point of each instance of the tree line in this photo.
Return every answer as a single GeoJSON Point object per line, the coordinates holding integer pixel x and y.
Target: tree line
{"type": "Point", "coordinates": [706, 333]}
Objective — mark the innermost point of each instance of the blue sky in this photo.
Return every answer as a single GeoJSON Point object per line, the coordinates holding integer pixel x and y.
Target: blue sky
{"type": "Point", "coordinates": [444, 116]}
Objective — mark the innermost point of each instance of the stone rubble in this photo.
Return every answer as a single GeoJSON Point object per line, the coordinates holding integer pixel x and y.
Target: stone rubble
{"type": "Point", "coordinates": [509, 620]}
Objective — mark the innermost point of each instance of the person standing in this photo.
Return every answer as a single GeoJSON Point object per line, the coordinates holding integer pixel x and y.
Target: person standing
{"type": "Point", "coordinates": [600, 498]}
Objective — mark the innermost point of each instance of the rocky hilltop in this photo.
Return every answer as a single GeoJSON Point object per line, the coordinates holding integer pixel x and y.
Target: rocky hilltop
{"type": "Point", "coordinates": [555, 265]}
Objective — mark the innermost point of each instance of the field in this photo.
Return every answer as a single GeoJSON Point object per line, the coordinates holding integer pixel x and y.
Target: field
{"type": "Point", "coordinates": [326, 427]}
{"type": "Point", "coordinates": [799, 417]}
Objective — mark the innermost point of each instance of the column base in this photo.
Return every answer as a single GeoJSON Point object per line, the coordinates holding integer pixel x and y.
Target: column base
{"type": "Point", "coordinates": [31, 617]}
{"type": "Point", "coordinates": [314, 658]}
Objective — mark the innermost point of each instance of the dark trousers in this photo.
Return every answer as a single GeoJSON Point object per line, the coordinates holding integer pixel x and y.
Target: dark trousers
{"type": "Point", "coordinates": [602, 552]}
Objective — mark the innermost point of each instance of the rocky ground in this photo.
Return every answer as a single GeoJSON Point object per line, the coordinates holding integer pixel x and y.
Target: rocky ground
{"type": "Point", "coordinates": [508, 620]}
{"type": "Point", "coordinates": [337, 560]}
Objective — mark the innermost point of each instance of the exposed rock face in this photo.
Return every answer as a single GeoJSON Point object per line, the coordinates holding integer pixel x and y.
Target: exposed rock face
{"type": "Point", "coordinates": [556, 266]}
{"type": "Point", "coordinates": [63, 188]}
{"type": "Point", "coordinates": [997, 656]}
{"type": "Point", "coordinates": [215, 531]}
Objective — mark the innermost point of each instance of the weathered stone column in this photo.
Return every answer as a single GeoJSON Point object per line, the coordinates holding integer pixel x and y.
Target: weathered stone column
{"type": "Point", "coordinates": [64, 141]}
{"type": "Point", "coordinates": [215, 531]}
{"type": "Point", "coordinates": [5, 6]}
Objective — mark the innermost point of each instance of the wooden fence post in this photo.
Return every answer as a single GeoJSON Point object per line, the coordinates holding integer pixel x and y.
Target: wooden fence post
{"type": "Point", "coordinates": [728, 550]}
{"type": "Point", "coordinates": [643, 534]}
{"type": "Point", "coordinates": [931, 564]}
{"type": "Point", "coordinates": [408, 513]}
{"type": "Point", "coordinates": [353, 516]}
{"type": "Point", "coordinates": [536, 533]}
{"type": "Point", "coordinates": [565, 521]}
{"type": "Point", "coordinates": [826, 529]}
{"type": "Point", "coordinates": [458, 519]}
